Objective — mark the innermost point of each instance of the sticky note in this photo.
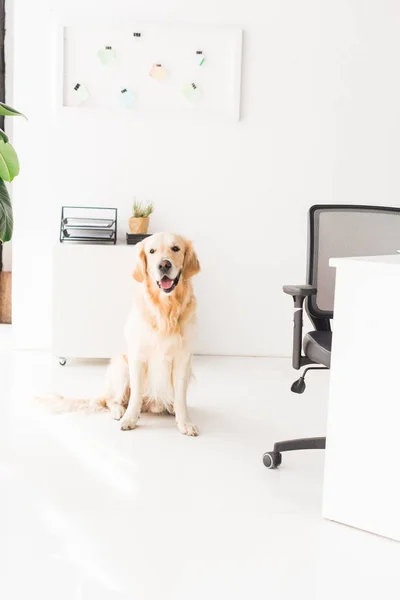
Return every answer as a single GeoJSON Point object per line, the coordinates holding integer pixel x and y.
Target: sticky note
{"type": "Point", "coordinates": [127, 98]}
{"type": "Point", "coordinates": [191, 91]}
{"type": "Point", "coordinates": [80, 93]}
{"type": "Point", "coordinates": [107, 55]}
{"type": "Point", "coordinates": [158, 72]}
{"type": "Point", "coordinates": [200, 58]}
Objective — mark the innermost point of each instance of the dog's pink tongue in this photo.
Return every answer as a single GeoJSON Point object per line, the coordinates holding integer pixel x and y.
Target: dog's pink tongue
{"type": "Point", "coordinates": [166, 283]}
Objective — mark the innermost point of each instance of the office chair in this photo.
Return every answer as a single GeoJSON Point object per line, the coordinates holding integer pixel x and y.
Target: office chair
{"type": "Point", "coordinates": [333, 231]}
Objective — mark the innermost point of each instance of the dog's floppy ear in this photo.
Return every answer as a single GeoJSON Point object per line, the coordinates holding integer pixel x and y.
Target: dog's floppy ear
{"type": "Point", "coordinates": [191, 265]}
{"type": "Point", "coordinates": [139, 272]}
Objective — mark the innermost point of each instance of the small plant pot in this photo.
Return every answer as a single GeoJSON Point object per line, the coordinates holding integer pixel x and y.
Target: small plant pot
{"type": "Point", "coordinates": [139, 224]}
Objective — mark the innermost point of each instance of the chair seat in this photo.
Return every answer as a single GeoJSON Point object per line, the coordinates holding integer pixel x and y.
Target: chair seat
{"type": "Point", "coordinates": [317, 347]}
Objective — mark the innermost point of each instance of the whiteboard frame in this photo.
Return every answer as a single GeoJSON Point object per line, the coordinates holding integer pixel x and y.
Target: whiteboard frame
{"type": "Point", "coordinates": [68, 22]}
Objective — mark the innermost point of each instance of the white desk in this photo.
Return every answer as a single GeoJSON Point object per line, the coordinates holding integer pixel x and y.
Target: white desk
{"type": "Point", "coordinates": [362, 472]}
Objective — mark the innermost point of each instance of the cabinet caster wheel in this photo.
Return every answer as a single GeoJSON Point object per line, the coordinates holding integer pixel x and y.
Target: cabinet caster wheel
{"type": "Point", "coordinates": [272, 460]}
{"type": "Point", "coordinates": [62, 361]}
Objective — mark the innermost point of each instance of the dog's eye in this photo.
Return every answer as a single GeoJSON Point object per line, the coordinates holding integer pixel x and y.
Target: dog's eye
{"type": "Point", "coordinates": [152, 251]}
{"type": "Point", "coordinates": [175, 249]}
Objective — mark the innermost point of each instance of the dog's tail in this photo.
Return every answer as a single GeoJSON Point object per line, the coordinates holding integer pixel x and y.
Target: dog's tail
{"type": "Point", "coordinates": [58, 404]}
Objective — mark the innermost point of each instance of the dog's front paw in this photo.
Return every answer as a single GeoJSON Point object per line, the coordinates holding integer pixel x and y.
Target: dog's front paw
{"type": "Point", "coordinates": [117, 412]}
{"type": "Point", "coordinates": [128, 423]}
{"type": "Point", "coordinates": [188, 429]}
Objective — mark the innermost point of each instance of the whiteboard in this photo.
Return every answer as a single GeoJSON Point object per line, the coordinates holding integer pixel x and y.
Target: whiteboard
{"type": "Point", "coordinates": [205, 60]}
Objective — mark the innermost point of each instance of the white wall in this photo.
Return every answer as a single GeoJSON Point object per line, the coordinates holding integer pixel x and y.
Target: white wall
{"type": "Point", "coordinates": [320, 123]}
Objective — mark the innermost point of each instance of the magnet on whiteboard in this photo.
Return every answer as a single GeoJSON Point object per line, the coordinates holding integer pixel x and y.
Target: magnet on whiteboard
{"type": "Point", "coordinates": [127, 98]}
{"type": "Point", "coordinates": [192, 92]}
{"type": "Point", "coordinates": [80, 93]}
{"type": "Point", "coordinates": [107, 55]}
{"type": "Point", "coordinates": [137, 34]}
{"type": "Point", "coordinates": [158, 72]}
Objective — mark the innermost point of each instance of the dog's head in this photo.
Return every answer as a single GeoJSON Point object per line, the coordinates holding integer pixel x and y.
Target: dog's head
{"type": "Point", "coordinates": [166, 259]}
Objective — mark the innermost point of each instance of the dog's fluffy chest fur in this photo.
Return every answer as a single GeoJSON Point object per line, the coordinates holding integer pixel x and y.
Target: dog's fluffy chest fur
{"type": "Point", "coordinates": [158, 392]}
{"type": "Point", "coordinates": [158, 379]}
{"type": "Point", "coordinates": [157, 351]}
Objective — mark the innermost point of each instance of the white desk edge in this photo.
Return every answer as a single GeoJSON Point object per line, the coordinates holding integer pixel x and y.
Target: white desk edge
{"type": "Point", "coordinates": [387, 262]}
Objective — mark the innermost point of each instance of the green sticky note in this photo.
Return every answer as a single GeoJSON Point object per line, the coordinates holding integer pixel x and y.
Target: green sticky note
{"type": "Point", "coordinates": [107, 55]}
{"type": "Point", "coordinates": [192, 92]}
{"type": "Point", "coordinates": [80, 93]}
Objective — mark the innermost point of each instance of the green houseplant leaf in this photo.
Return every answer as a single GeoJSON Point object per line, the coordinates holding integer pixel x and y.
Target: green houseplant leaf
{"type": "Point", "coordinates": [8, 111]}
{"type": "Point", "coordinates": [9, 164]}
{"type": "Point", "coordinates": [6, 214]}
{"type": "Point", "coordinates": [9, 168]}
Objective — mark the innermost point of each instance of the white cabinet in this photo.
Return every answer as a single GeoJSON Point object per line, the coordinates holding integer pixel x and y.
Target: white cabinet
{"type": "Point", "coordinates": [92, 295]}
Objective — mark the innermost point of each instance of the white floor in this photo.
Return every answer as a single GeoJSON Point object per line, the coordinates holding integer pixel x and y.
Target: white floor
{"type": "Point", "coordinates": [88, 512]}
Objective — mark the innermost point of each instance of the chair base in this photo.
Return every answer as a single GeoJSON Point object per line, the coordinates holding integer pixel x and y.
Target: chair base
{"type": "Point", "coordinates": [273, 459]}
{"type": "Point", "coordinates": [299, 385]}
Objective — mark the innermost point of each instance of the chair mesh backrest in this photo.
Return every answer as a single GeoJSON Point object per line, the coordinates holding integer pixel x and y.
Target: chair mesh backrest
{"type": "Point", "coordinates": [340, 231]}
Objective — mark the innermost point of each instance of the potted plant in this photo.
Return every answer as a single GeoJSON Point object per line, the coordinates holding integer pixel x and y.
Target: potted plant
{"type": "Point", "coordinates": [139, 222]}
{"type": "Point", "coordinates": [9, 168]}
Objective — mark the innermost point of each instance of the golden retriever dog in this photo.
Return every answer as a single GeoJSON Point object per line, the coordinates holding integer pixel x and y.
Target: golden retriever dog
{"type": "Point", "coordinates": [154, 374]}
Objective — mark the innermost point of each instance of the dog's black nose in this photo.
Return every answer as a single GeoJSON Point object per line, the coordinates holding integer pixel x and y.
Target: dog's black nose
{"type": "Point", "coordinates": [164, 266]}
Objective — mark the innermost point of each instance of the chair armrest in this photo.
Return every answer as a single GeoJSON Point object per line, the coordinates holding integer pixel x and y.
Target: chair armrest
{"type": "Point", "coordinates": [298, 293]}
{"type": "Point", "coordinates": [300, 290]}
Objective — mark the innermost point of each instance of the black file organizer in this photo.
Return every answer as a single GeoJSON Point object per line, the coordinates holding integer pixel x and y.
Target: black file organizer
{"type": "Point", "coordinates": [88, 224]}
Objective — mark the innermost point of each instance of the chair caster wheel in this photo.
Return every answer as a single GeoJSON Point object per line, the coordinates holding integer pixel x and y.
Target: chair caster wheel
{"type": "Point", "coordinates": [299, 386]}
{"type": "Point", "coordinates": [62, 361]}
{"type": "Point", "coordinates": [272, 460]}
